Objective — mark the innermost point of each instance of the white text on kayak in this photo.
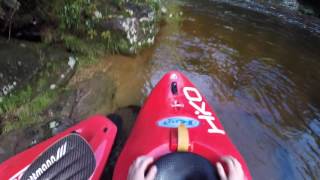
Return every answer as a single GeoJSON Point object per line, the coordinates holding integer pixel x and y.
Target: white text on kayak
{"type": "Point", "coordinates": [49, 162]}
{"type": "Point", "coordinates": [196, 101]}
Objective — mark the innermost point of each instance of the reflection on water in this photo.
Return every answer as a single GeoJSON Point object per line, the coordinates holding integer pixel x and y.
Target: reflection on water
{"type": "Point", "coordinates": [260, 74]}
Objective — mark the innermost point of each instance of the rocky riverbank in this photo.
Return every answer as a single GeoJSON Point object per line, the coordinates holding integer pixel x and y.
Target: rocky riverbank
{"type": "Point", "coordinates": [44, 42]}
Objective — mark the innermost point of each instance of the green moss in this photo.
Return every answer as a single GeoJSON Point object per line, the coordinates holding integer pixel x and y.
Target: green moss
{"type": "Point", "coordinates": [13, 101]}
{"type": "Point", "coordinates": [23, 107]}
{"type": "Point", "coordinates": [29, 112]}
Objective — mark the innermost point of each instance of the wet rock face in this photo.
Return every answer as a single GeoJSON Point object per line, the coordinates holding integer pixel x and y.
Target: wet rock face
{"type": "Point", "coordinates": [138, 26]}
{"type": "Point", "coordinates": [18, 64]}
{"type": "Point", "coordinates": [22, 62]}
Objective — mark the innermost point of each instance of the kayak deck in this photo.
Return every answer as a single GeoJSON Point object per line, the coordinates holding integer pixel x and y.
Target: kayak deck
{"type": "Point", "coordinates": [174, 101]}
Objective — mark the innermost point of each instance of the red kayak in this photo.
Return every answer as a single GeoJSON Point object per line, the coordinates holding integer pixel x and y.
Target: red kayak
{"type": "Point", "coordinates": [80, 152]}
{"type": "Point", "coordinates": [177, 120]}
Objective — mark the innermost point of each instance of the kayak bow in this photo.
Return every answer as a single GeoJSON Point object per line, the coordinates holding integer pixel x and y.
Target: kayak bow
{"type": "Point", "coordinates": [176, 117]}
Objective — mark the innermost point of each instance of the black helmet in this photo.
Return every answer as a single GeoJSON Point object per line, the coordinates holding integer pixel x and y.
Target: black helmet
{"type": "Point", "coordinates": [185, 166]}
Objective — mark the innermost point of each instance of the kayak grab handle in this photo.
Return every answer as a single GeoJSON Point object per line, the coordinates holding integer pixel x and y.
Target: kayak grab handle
{"type": "Point", "coordinates": [183, 138]}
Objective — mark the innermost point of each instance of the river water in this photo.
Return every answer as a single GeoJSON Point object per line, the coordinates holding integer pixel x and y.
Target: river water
{"type": "Point", "coordinates": [260, 73]}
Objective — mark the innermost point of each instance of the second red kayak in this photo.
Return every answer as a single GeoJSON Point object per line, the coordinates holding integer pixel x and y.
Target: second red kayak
{"type": "Point", "coordinates": [80, 152]}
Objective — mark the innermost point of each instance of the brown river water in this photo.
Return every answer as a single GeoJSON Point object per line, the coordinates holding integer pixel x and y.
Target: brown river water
{"type": "Point", "coordinates": [258, 72]}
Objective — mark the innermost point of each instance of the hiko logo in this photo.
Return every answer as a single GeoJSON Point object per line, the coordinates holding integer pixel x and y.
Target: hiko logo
{"type": "Point", "coordinates": [49, 162]}
{"type": "Point", "coordinates": [195, 100]}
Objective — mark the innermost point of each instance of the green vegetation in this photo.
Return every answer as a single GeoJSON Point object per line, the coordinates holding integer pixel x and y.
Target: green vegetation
{"type": "Point", "coordinates": [29, 112]}
{"type": "Point", "coordinates": [81, 47]}
{"type": "Point", "coordinates": [80, 26]}
{"type": "Point", "coordinates": [24, 107]}
{"type": "Point", "coordinates": [76, 15]}
{"type": "Point", "coordinates": [13, 101]}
